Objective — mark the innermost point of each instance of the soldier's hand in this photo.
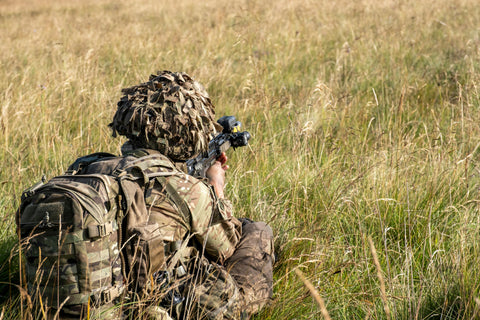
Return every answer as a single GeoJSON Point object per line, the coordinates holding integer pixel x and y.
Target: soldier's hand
{"type": "Point", "coordinates": [223, 160]}
{"type": "Point", "coordinates": [216, 175]}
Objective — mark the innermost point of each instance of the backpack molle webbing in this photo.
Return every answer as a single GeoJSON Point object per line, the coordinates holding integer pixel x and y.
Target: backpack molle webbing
{"type": "Point", "coordinates": [72, 256]}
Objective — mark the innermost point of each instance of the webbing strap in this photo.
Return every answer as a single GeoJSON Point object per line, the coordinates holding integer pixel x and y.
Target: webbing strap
{"type": "Point", "coordinates": [101, 274]}
{"type": "Point", "coordinates": [103, 296]}
{"type": "Point", "coordinates": [101, 230]}
{"type": "Point", "coordinates": [182, 254]}
{"type": "Point", "coordinates": [98, 256]}
{"type": "Point", "coordinates": [91, 232]}
{"type": "Point", "coordinates": [179, 201]}
{"type": "Point", "coordinates": [108, 295]}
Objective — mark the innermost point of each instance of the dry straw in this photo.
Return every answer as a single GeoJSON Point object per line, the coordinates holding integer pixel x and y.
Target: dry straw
{"type": "Point", "coordinates": [314, 294]}
{"type": "Point", "coordinates": [380, 278]}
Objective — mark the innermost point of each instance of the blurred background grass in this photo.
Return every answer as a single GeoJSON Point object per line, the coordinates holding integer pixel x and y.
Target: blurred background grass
{"type": "Point", "coordinates": [364, 117]}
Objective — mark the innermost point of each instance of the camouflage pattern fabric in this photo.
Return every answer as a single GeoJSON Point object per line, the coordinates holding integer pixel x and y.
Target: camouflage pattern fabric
{"type": "Point", "coordinates": [251, 265]}
{"type": "Point", "coordinates": [170, 113]}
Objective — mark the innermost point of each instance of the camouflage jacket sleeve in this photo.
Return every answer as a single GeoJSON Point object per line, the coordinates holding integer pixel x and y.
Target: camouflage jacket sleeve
{"type": "Point", "coordinates": [212, 223]}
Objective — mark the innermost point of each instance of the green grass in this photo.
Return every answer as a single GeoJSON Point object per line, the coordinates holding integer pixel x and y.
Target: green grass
{"type": "Point", "coordinates": [365, 123]}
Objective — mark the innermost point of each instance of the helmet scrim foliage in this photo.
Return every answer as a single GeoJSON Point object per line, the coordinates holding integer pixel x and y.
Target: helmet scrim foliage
{"type": "Point", "coordinates": [171, 113]}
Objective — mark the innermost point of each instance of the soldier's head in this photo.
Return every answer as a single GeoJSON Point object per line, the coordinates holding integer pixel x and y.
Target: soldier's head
{"type": "Point", "coordinates": [171, 113]}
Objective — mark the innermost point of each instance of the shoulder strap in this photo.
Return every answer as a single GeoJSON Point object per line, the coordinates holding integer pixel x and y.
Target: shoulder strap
{"type": "Point", "coordinates": [137, 153]}
{"type": "Point", "coordinates": [175, 197]}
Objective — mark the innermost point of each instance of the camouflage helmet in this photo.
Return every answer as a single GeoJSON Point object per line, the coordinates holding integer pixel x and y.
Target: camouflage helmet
{"type": "Point", "coordinates": [171, 113]}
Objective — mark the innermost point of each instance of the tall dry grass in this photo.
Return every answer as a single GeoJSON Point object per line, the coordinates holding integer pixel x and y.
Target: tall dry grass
{"type": "Point", "coordinates": [364, 117]}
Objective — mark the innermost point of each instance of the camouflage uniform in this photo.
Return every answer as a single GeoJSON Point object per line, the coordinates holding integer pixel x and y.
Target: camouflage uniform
{"type": "Point", "coordinates": [225, 270]}
{"type": "Point", "coordinates": [217, 266]}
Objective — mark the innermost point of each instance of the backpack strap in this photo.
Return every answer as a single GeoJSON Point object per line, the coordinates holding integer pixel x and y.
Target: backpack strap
{"type": "Point", "coordinates": [84, 161]}
{"type": "Point", "coordinates": [177, 200]}
{"type": "Point", "coordinates": [137, 153]}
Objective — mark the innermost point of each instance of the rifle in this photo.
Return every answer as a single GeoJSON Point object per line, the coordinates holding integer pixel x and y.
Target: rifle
{"type": "Point", "coordinates": [230, 137]}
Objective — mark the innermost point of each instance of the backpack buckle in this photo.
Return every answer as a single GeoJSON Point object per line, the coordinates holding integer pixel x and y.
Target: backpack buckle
{"type": "Point", "coordinates": [117, 173]}
{"type": "Point", "coordinates": [101, 230]}
{"type": "Point", "coordinates": [31, 191]}
{"type": "Point", "coordinates": [109, 294]}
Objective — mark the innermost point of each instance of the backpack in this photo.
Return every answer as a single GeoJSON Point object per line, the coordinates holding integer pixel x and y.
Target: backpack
{"type": "Point", "coordinates": [86, 235]}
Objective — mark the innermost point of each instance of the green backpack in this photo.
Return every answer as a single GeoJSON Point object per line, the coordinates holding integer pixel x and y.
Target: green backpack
{"type": "Point", "coordinates": [80, 250]}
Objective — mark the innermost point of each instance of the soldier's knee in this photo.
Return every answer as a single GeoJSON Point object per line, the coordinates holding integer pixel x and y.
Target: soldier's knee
{"type": "Point", "coordinates": [258, 228]}
{"type": "Point", "coordinates": [261, 234]}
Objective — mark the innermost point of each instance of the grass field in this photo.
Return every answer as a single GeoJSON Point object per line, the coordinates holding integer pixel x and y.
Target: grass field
{"type": "Point", "coordinates": [365, 123]}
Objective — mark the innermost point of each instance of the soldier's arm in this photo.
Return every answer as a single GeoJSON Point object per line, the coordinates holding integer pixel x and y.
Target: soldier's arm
{"type": "Point", "coordinates": [212, 223]}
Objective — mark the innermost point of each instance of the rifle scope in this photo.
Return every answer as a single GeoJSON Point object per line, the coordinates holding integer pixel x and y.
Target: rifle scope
{"type": "Point", "coordinates": [232, 127]}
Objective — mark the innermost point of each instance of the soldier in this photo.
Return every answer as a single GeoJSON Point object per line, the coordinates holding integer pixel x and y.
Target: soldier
{"type": "Point", "coordinates": [216, 266]}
